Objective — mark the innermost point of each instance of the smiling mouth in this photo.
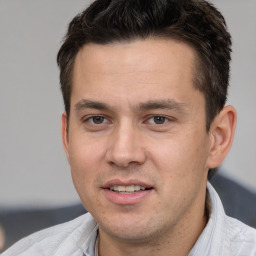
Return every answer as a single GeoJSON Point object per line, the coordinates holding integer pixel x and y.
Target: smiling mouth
{"type": "Point", "coordinates": [127, 189]}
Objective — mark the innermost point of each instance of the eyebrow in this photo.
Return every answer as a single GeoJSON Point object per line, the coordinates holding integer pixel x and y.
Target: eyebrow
{"type": "Point", "coordinates": [85, 104]}
{"type": "Point", "coordinates": [170, 104]}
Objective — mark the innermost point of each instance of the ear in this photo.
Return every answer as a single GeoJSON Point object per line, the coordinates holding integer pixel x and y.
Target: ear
{"type": "Point", "coordinates": [64, 133]}
{"type": "Point", "coordinates": [222, 132]}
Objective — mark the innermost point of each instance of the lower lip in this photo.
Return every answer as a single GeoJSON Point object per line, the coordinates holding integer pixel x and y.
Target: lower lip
{"type": "Point", "coordinates": [126, 199]}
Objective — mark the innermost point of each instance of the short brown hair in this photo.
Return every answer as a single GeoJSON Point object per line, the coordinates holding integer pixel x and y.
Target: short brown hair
{"type": "Point", "coordinates": [195, 22]}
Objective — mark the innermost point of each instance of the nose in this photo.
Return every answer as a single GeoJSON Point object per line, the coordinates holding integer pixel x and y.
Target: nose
{"type": "Point", "coordinates": [126, 147]}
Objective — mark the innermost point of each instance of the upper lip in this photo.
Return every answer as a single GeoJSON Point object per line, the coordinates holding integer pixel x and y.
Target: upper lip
{"type": "Point", "coordinates": [119, 182]}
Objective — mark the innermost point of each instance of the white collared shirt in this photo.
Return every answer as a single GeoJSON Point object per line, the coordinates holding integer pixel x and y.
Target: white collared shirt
{"type": "Point", "coordinates": [222, 236]}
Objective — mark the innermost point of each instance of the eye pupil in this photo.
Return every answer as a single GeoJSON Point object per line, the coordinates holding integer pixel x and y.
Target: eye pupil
{"type": "Point", "coordinates": [98, 119]}
{"type": "Point", "coordinates": [159, 119]}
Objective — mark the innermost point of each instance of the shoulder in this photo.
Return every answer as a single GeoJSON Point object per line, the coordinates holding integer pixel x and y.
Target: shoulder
{"type": "Point", "coordinates": [51, 241]}
{"type": "Point", "coordinates": [240, 239]}
{"type": "Point", "coordinates": [20, 222]}
{"type": "Point", "coordinates": [228, 235]}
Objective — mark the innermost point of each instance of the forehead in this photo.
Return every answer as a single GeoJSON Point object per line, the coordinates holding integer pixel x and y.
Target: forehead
{"type": "Point", "coordinates": [142, 67]}
{"type": "Point", "coordinates": [149, 53]}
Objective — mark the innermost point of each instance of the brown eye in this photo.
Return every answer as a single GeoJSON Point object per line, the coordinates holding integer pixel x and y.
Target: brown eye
{"type": "Point", "coordinates": [97, 119]}
{"type": "Point", "coordinates": [159, 119]}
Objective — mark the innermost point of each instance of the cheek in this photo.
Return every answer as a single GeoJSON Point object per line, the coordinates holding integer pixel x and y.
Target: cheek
{"type": "Point", "coordinates": [181, 157]}
{"type": "Point", "coordinates": [180, 163]}
{"type": "Point", "coordinates": [84, 171]}
{"type": "Point", "coordinates": [85, 160]}
{"type": "Point", "coordinates": [84, 153]}
{"type": "Point", "coordinates": [172, 153]}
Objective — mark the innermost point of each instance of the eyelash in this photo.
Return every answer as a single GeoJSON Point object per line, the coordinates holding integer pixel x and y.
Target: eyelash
{"type": "Point", "coordinates": [154, 118]}
{"type": "Point", "coordinates": [90, 119]}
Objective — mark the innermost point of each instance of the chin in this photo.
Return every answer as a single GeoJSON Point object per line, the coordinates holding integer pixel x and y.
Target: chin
{"type": "Point", "coordinates": [131, 231]}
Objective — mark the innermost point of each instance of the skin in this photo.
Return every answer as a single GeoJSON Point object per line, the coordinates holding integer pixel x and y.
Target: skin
{"type": "Point", "coordinates": [136, 117]}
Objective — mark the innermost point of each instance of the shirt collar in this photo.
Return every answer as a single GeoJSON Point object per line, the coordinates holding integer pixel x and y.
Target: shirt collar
{"type": "Point", "coordinates": [88, 246]}
{"type": "Point", "coordinates": [210, 240]}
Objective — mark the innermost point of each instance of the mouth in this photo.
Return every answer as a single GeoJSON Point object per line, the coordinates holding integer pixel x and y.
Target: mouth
{"type": "Point", "coordinates": [128, 189]}
{"type": "Point", "coordinates": [127, 192]}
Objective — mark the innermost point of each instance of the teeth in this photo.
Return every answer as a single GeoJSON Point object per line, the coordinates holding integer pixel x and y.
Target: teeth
{"type": "Point", "coordinates": [129, 189]}
{"type": "Point", "coordinates": [126, 189]}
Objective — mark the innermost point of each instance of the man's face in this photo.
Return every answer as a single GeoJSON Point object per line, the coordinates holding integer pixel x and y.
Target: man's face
{"type": "Point", "coordinates": [137, 141]}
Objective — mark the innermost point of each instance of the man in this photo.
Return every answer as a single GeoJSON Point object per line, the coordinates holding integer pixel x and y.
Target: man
{"type": "Point", "coordinates": [144, 85]}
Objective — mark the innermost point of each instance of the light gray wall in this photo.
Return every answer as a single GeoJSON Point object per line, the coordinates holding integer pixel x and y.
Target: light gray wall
{"type": "Point", "coordinates": [33, 168]}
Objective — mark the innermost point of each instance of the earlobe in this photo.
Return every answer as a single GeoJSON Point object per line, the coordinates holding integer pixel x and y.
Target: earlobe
{"type": "Point", "coordinates": [222, 133]}
{"type": "Point", "coordinates": [64, 133]}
